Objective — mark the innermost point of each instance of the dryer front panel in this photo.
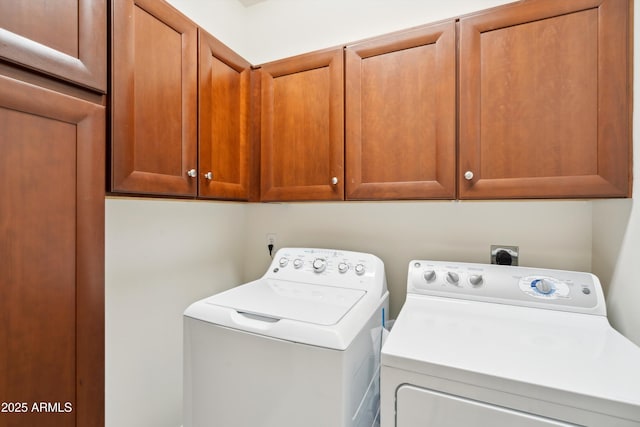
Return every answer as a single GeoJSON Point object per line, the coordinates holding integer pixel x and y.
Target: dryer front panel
{"type": "Point", "coordinates": [420, 407]}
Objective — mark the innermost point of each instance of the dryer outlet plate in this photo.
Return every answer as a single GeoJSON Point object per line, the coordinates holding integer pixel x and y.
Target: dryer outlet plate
{"type": "Point", "coordinates": [505, 254]}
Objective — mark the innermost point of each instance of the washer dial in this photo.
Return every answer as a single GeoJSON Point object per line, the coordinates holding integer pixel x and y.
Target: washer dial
{"type": "Point", "coordinates": [319, 264]}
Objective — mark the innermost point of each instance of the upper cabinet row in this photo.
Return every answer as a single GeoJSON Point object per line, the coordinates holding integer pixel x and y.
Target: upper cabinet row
{"type": "Point", "coordinates": [527, 100]}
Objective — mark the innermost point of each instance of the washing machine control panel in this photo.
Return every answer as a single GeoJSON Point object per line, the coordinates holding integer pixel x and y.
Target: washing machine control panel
{"type": "Point", "coordinates": [523, 286]}
{"type": "Point", "coordinates": [330, 267]}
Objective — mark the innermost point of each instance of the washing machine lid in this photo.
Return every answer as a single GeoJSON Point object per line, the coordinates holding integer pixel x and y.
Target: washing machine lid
{"type": "Point", "coordinates": [294, 301]}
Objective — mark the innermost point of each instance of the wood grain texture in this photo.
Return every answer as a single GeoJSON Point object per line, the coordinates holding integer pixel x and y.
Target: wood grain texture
{"type": "Point", "coordinates": [302, 127]}
{"type": "Point", "coordinates": [544, 101]}
{"type": "Point", "coordinates": [154, 99]}
{"type": "Point", "coordinates": [401, 115]}
{"type": "Point", "coordinates": [51, 254]}
{"type": "Point", "coordinates": [66, 38]}
{"type": "Point", "coordinates": [223, 119]}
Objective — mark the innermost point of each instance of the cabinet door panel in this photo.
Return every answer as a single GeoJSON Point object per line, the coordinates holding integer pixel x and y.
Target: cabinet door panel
{"type": "Point", "coordinates": [154, 99]}
{"type": "Point", "coordinates": [544, 101]}
{"type": "Point", "coordinates": [65, 38]}
{"type": "Point", "coordinates": [52, 262]}
{"type": "Point", "coordinates": [302, 128]}
{"type": "Point", "coordinates": [400, 115]}
{"type": "Point", "coordinates": [225, 95]}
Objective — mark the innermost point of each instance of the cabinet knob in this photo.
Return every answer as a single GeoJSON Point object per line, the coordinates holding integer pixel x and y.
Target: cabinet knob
{"type": "Point", "coordinates": [208, 176]}
{"type": "Point", "coordinates": [192, 173]}
{"type": "Point", "coordinates": [468, 175]}
{"type": "Point", "coordinates": [334, 180]}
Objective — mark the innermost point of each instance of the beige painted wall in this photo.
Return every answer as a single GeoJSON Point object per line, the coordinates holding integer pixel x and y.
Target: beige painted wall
{"type": "Point", "coordinates": [161, 255]}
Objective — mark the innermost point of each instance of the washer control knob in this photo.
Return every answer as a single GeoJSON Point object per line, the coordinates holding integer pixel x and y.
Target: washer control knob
{"type": "Point", "coordinates": [453, 278]}
{"type": "Point", "coordinates": [475, 279]}
{"type": "Point", "coordinates": [343, 267]}
{"type": "Point", "coordinates": [319, 265]}
{"type": "Point", "coordinates": [360, 269]}
{"type": "Point", "coordinates": [543, 286]}
{"type": "Point", "coordinates": [429, 276]}
{"type": "Point", "coordinates": [283, 262]}
{"type": "Point", "coordinates": [297, 263]}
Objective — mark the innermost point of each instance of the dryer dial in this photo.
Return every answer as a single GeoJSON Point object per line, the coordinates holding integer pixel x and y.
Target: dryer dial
{"type": "Point", "coordinates": [429, 276]}
{"type": "Point", "coordinates": [453, 278]}
{"type": "Point", "coordinates": [544, 287]}
{"type": "Point", "coordinates": [476, 279]}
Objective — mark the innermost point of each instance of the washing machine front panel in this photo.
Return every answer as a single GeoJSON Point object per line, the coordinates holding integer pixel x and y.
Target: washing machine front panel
{"type": "Point", "coordinates": [420, 407]}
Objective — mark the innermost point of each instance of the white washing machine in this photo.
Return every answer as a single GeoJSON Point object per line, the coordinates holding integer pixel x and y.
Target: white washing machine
{"type": "Point", "coordinates": [501, 346]}
{"type": "Point", "coordinates": [298, 347]}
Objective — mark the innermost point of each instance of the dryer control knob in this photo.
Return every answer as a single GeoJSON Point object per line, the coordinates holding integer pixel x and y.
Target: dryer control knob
{"type": "Point", "coordinates": [429, 276]}
{"type": "Point", "coordinates": [543, 286]}
{"type": "Point", "coordinates": [360, 269]}
{"type": "Point", "coordinates": [343, 267]}
{"type": "Point", "coordinates": [283, 262]}
{"type": "Point", "coordinates": [476, 279]}
{"type": "Point", "coordinates": [453, 278]}
{"type": "Point", "coordinates": [319, 264]}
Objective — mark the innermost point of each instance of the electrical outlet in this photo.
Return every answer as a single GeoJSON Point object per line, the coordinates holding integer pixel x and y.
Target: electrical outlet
{"type": "Point", "coordinates": [504, 255]}
{"type": "Point", "coordinates": [271, 239]}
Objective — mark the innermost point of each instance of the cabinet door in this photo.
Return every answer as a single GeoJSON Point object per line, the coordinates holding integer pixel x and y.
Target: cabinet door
{"type": "Point", "coordinates": [401, 115]}
{"type": "Point", "coordinates": [302, 150]}
{"type": "Point", "coordinates": [51, 257]}
{"type": "Point", "coordinates": [154, 99]}
{"type": "Point", "coordinates": [223, 117]}
{"type": "Point", "coordinates": [544, 100]}
{"type": "Point", "coordinates": [65, 38]}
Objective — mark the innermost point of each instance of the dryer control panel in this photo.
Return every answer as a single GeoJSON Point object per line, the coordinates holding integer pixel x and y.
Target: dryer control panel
{"type": "Point", "coordinates": [524, 286]}
{"type": "Point", "coordinates": [331, 267]}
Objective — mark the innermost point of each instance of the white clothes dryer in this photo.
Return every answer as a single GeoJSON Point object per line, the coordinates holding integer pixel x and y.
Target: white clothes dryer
{"type": "Point", "coordinates": [298, 347]}
{"type": "Point", "coordinates": [501, 346]}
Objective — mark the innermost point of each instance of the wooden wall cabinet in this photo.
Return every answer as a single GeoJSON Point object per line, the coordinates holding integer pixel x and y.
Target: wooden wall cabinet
{"type": "Point", "coordinates": [545, 101]}
{"type": "Point", "coordinates": [224, 138]}
{"type": "Point", "coordinates": [302, 128]}
{"type": "Point", "coordinates": [177, 130]}
{"type": "Point", "coordinates": [52, 171]}
{"type": "Point", "coordinates": [153, 99]}
{"type": "Point", "coordinates": [401, 115]}
{"type": "Point", "coordinates": [67, 39]}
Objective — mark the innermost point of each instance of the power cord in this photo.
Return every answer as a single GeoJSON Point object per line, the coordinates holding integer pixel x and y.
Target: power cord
{"type": "Point", "coordinates": [270, 247]}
